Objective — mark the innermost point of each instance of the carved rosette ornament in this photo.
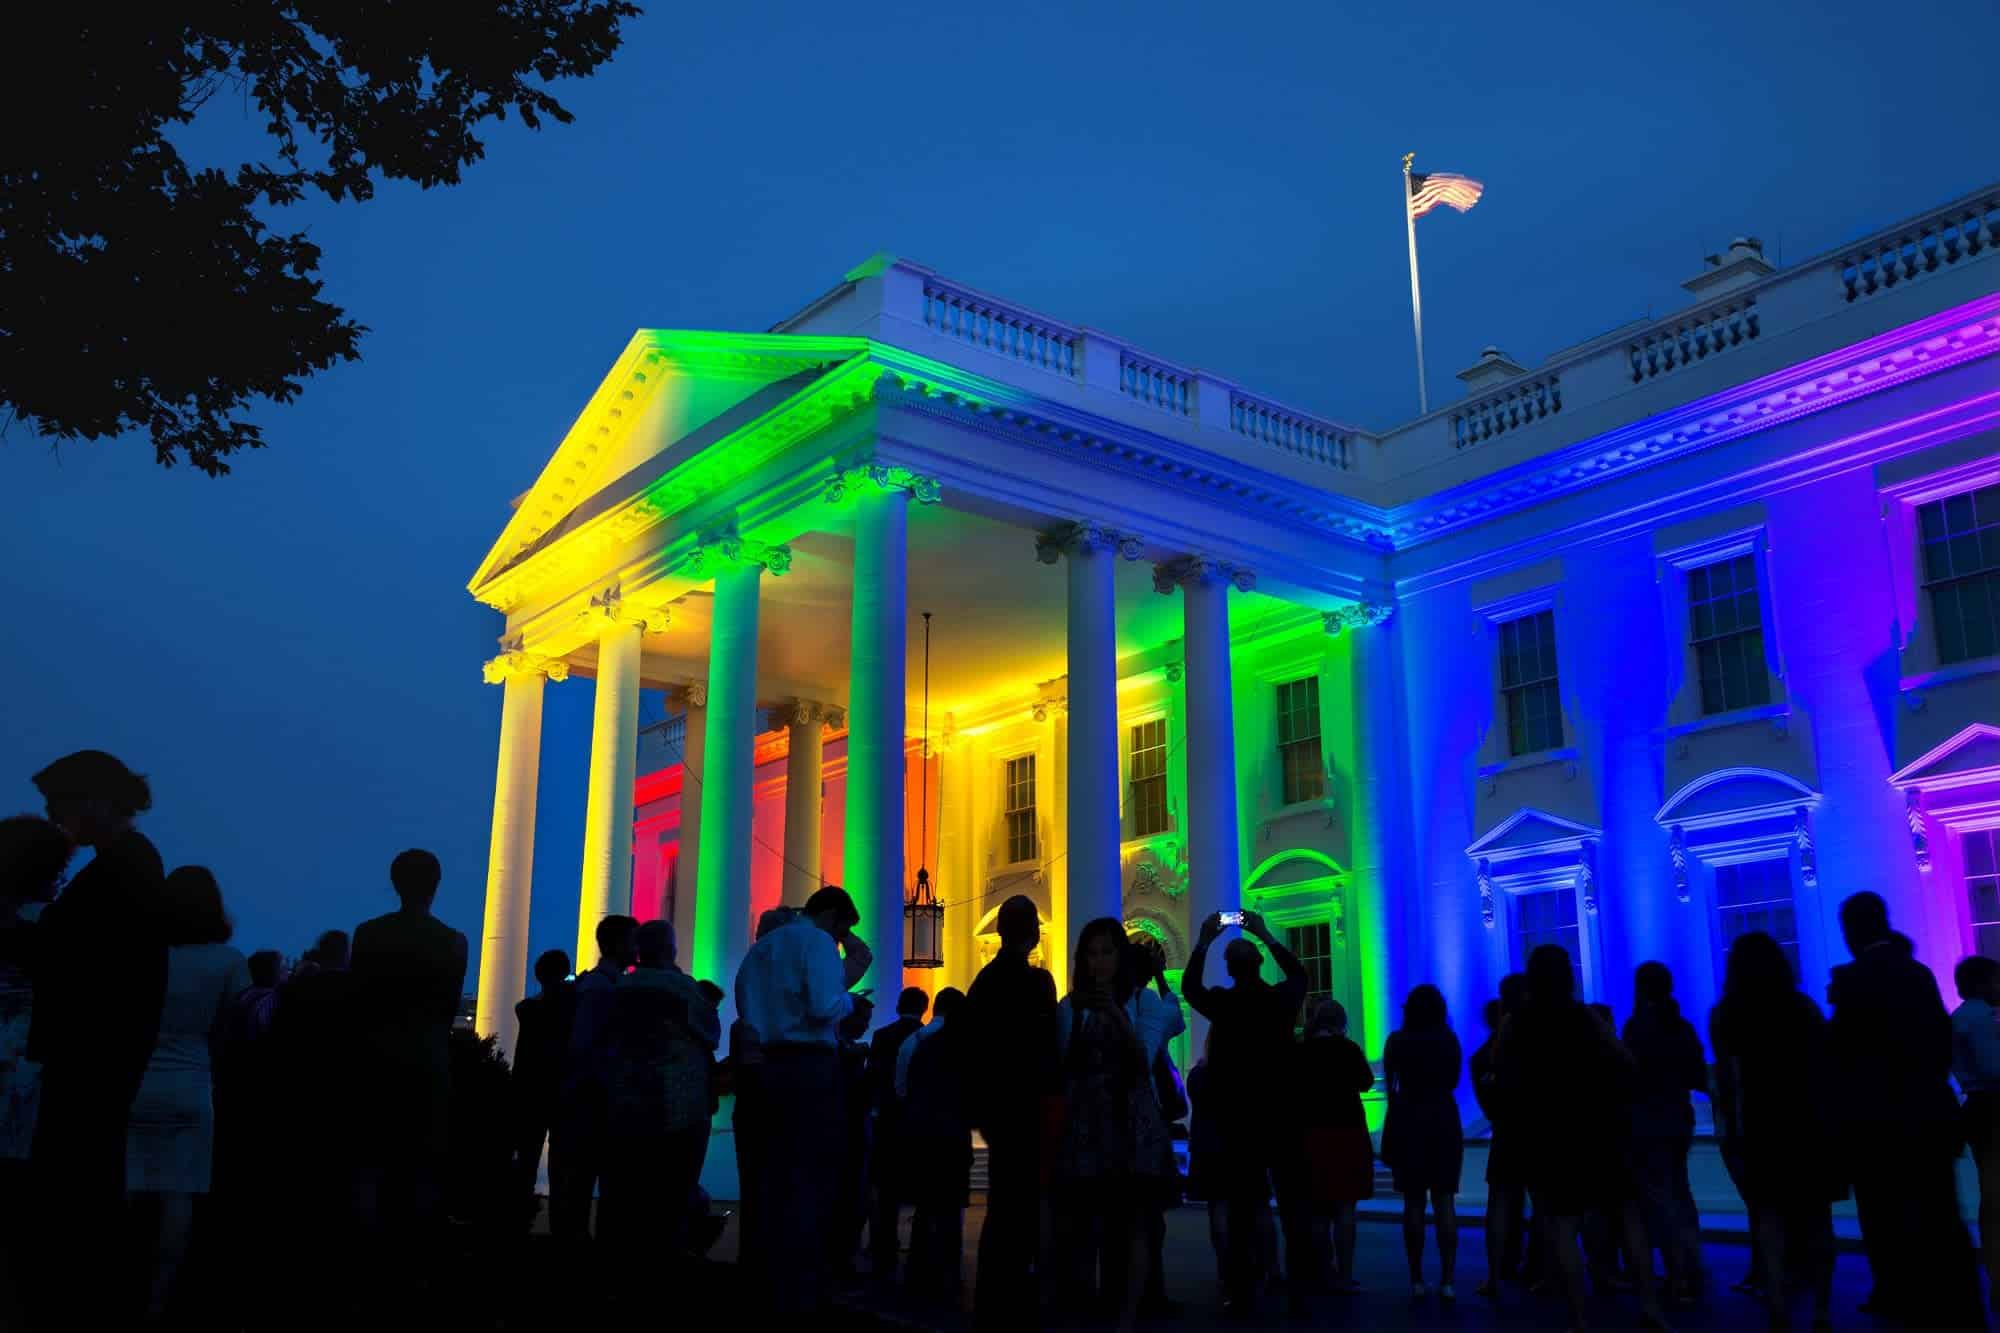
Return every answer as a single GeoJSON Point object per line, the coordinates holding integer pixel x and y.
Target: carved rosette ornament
{"type": "Point", "coordinates": [1487, 913]}
{"type": "Point", "coordinates": [1171, 574]}
{"type": "Point", "coordinates": [843, 485]}
{"type": "Point", "coordinates": [1920, 839]}
{"type": "Point", "coordinates": [1174, 670]}
{"type": "Point", "coordinates": [1802, 838]}
{"type": "Point", "coordinates": [1358, 616]}
{"type": "Point", "coordinates": [513, 663]}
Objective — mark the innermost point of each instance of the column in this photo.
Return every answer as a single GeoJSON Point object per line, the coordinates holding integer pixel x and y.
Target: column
{"type": "Point", "coordinates": [1361, 721]}
{"type": "Point", "coordinates": [876, 722]}
{"type": "Point", "coordinates": [722, 922]}
{"type": "Point", "coordinates": [692, 699]}
{"type": "Point", "coordinates": [614, 755]}
{"type": "Point", "coordinates": [1093, 826]}
{"type": "Point", "coordinates": [510, 860]}
{"type": "Point", "coordinates": [805, 749]}
{"type": "Point", "coordinates": [1215, 865]}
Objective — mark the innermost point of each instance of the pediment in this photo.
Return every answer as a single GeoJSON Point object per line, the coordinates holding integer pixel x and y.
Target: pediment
{"type": "Point", "coordinates": [664, 387]}
{"type": "Point", "coordinates": [1973, 755]}
{"type": "Point", "coordinates": [1734, 796]}
{"type": "Point", "coordinates": [1289, 869]}
{"type": "Point", "coordinates": [1528, 831]}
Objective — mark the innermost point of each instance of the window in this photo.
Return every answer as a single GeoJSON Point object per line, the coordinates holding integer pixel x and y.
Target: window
{"type": "Point", "coordinates": [1528, 683]}
{"type": "Point", "coordinates": [1022, 843]}
{"type": "Point", "coordinates": [1961, 537]}
{"type": "Point", "coordinates": [1149, 778]}
{"type": "Point", "coordinates": [1980, 850]}
{"type": "Point", "coordinates": [1314, 946]}
{"type": "Point", "coordinates": [1756, 895]}
{"type": "Point", "coordinates": [1728, 635]}
{"type": "Point", "coordinates": [1298, 740]}
{"type": "Point", "coordinates": [1548, 916]}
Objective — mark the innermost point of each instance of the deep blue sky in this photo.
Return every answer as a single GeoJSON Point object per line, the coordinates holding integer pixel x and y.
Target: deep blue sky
{"type": "Point", "coordinates": [290, 653]}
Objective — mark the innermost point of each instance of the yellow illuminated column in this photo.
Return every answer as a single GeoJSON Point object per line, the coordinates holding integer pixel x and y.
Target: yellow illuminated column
{"type": "Point", "coordinates": [806, 749]}
{"type": "Point", "coordinates": [510, 861]}
{"type": "Point", "coordinates": [614, 757]}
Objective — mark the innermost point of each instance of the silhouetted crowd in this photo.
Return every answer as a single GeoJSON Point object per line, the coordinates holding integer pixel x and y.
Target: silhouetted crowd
{"type": "Point", "coordinates": [146, 1066]}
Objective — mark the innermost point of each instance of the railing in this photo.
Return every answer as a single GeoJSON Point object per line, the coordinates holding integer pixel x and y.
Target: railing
{"type": "Point", "coordinates": [1926, 245]}
{"type": "Point", "coordinates": [1532, 399]}
{"type": "Point", "coordinates": [1693, 338]}
{"type": "Point", "coordinates": [1307, 437]}
{"type": "Point", "coordinates": [1002, 329]}
{"type": "Point", "coordinates": [1159, 385]}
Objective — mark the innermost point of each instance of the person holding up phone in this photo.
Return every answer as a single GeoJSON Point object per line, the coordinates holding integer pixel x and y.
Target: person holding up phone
{"type": "Point", "coordinates": [1250, 1048]}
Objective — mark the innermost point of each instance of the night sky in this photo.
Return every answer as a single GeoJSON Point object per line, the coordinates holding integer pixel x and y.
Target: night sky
{"type": "Point", "coordinates": [290, 653]}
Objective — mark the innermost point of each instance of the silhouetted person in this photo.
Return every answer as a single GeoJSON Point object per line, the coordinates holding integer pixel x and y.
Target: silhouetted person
{"type": "Point", "coordinates": [792, 991]}
{"type": "Point", "coordinates": [100, 973]}
{"type": "Point", "coordinates": [1114, 1160]}
{"type": "Point", "coordinates": [316, 1045]}
{"type": "Point", "coordinates": [1671, 1066]}
{"type": "Point", "coordinates": [937, 1139]}
{"type": "Point", "coordinates": [744, 1070]}
{"type": "Point", "coordinates": [1975, 1064]}
{"type": "Point", "coordinates": [1167, 1082]}
{"type": "Point", "coordinates": [1567, 1085]}
{"type": "Point", "coordinates": [409, 973]}
{"type": "Point", "coordinates": [1506, 1195]}
{"type": "Point", "coordinates": [888, 1162]}
{"type": "Point", "coordinates": [850, 1186]}
{"type": "Point", "coordinates": [1330, 1075]}
{"type": "Point", "coordinates": [577, 1143]}
{"type": "Point", "coordinates": [663, 1034]}
{"type": "Point", "coordinates": [539, 1051]}
{"type": "Point", "coordinates": [251, 1122]}
{"type": "Point", "coordinates": [1422, 1139]}
{"type": "Point", "coordinates": [33, 855]}
{"type": "Point", "coordinates": [1250, 1047]}
{"type": "Point", "coordinates": [1891, 1040]}
{"type": "Point", "coordinates": [1774, 1115]}
{"type": "Point", "coordinates": [1011, 1008]}
{"type": "Point", "coordinates": [170, 1142]}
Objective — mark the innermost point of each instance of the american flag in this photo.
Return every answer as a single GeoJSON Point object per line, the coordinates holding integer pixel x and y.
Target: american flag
{"type": "Point", "coordinates": [1428, 189]}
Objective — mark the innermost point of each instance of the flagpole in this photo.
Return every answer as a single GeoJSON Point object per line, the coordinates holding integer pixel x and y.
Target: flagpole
{"type": "Point", "coordinates": [1416, 294]}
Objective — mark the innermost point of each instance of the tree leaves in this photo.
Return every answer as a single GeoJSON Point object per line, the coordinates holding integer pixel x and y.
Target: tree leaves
{"type": "Point", "coordinates": [138, 293]}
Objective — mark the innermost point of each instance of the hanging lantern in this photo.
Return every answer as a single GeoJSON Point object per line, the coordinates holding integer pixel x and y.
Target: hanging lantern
{"type": "Point", "coordinates": [923, 926]}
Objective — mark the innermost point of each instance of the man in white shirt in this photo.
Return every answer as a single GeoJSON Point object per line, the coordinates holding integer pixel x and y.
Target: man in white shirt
{"type": "Point", "coordinates": [1975, 1064]}
{"type": "Point", "coordinates": [792, 990]}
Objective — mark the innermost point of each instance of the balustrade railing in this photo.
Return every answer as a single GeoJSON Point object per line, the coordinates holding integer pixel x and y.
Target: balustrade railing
{"type": "Point", "coordinates": [1158, 385]}
{"type": "Point", "coordinates": [1926, 245]}
{"type": "Point", "coordinates": [1532, 399]}
{"type": "Point", "coordinates": [1005, 330]}
{"type": "Point", "coordinates": [1694, 337]}
{"type": "Point", "coordinates": [1307, 437]}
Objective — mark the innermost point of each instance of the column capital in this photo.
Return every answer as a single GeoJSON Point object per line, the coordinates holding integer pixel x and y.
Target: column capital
{"type": "Point", "coordinates": [1192, 569]}
{"type": "Point", "coordinates": [712, 557]}
{"type": "Point", "coordinates": [689, 694]}
{"type": "Point", "coordinates": [1040, 710]}
{"type": "Point", "coordinates": [881, 477]}
{"type": "Point", "coordinates": [809, 712]}
{"type": "Point", "coordinates": [1083, 538]}
{"type": "Point", "coordinates": [1356, 616]}
{"type": "Point", "coordinates": [612, 607]}
{"type": "Point", "coordinates": [513, 663]}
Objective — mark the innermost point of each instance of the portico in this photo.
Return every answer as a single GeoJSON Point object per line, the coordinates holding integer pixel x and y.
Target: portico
{"type": "Point", "coordinates": [754, 525]}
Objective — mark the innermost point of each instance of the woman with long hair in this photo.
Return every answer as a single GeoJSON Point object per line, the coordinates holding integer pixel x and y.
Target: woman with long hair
{"type": "Point", "coordinates": [1422, 1139]}
{"type": "Point", "coordinates": [1339, 1160]}
{"type": "Point", "coordinates": [170, 1142]}
{"type": "Point", "coordinates": [1114, 1160]}
{"type": "Point", "coordinates": [1772, 1097]}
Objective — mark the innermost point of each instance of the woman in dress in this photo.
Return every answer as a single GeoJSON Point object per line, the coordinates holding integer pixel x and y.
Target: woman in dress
{"type": "Point", "coordinates": [1773, 1092]}
{"type": "Point", "coordinates": [170, 1137]}
{"type": "Point", "coordinates": [1422, 1139]}
{"type": "Point", "coordinates": [1339, 1159]}
{"type": "Point", "coordinates": [1114, 1160]}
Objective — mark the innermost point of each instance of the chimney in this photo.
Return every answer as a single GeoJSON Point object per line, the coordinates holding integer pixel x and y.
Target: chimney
{"type": "Point", "coordinates": [1742, 264]}
{"type": "Point", "coordinates": [1492, 367]}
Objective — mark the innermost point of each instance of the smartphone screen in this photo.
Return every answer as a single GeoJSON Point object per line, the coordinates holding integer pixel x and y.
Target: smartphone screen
{"type": "Point", "coordinates": [1232, 918]}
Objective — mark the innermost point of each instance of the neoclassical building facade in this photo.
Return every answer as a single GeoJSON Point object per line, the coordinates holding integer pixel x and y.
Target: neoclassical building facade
{"type": "Point", "coordinates": [1692, 629]}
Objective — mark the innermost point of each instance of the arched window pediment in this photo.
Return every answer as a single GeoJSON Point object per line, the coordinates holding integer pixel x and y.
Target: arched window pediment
{"type": "Point", "coordinates": [1731, 796]}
